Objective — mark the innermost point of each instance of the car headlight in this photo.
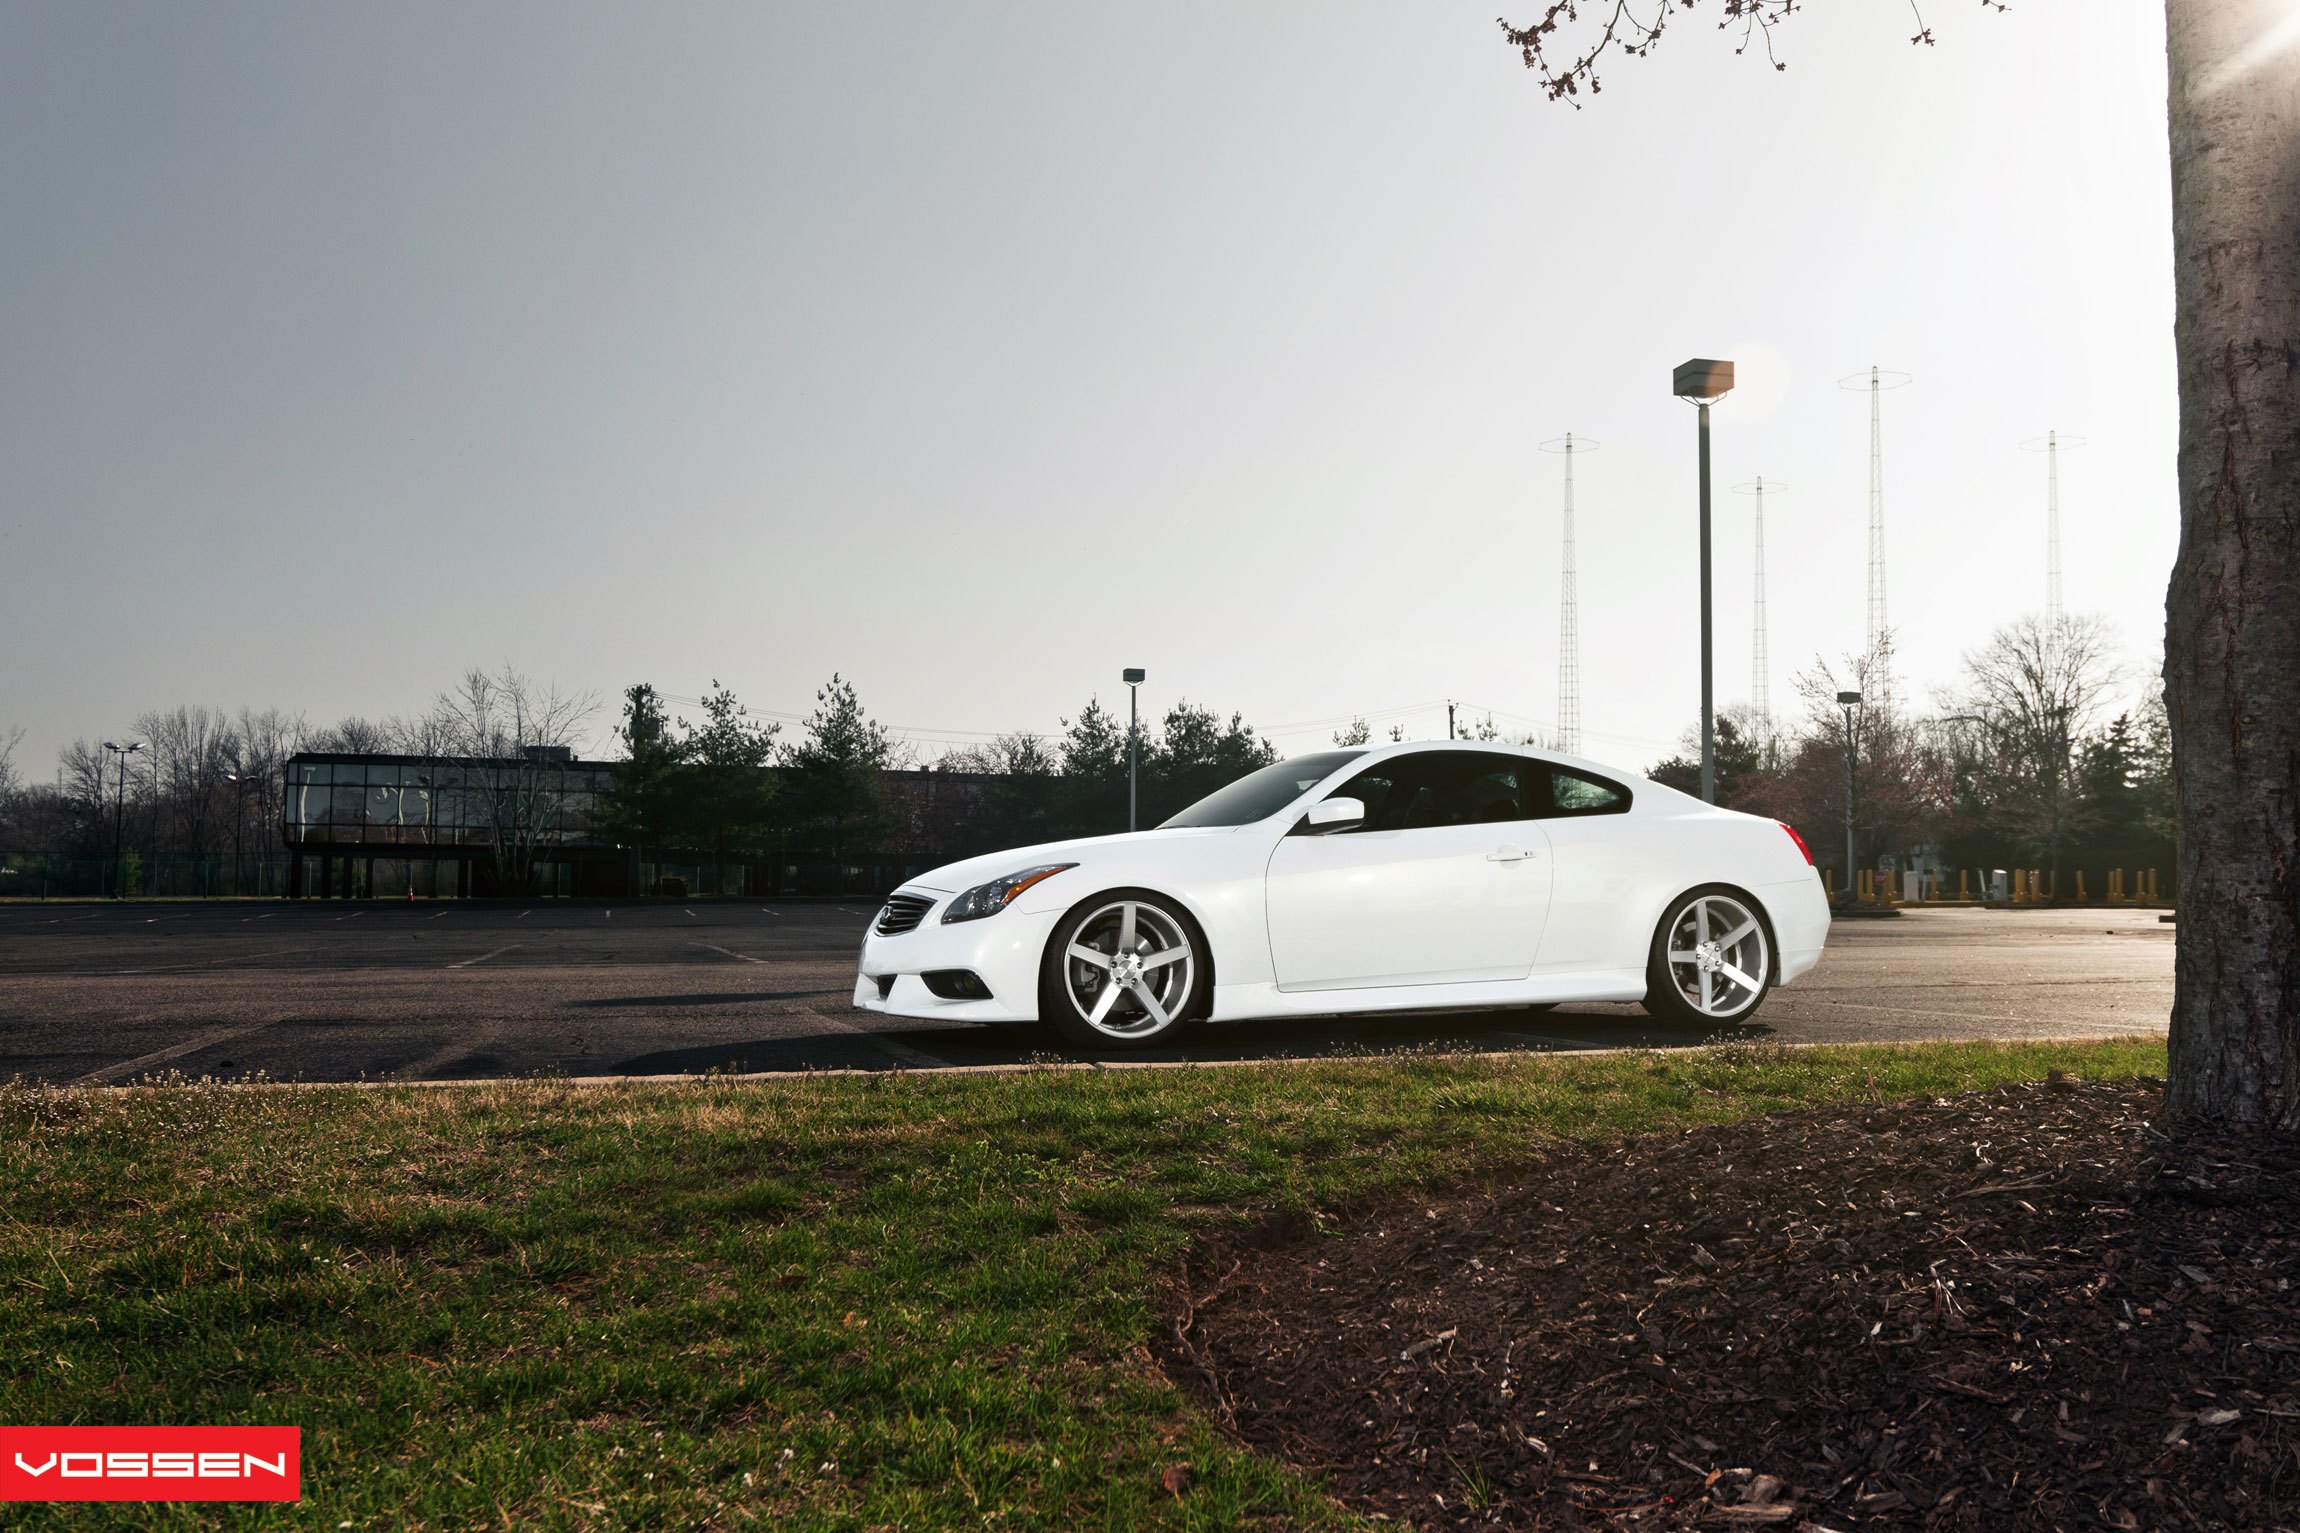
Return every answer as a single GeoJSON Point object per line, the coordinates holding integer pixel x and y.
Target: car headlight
{"type": "Point", "coordinates": [989, 899]}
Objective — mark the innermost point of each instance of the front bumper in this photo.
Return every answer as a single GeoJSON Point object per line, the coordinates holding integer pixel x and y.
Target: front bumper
{"type": "Point", "coordinates": [1003, 951]}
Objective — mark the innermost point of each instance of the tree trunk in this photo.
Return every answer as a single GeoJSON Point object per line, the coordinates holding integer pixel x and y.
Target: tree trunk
{"type": "Point", "coordinates": [2232, 633]}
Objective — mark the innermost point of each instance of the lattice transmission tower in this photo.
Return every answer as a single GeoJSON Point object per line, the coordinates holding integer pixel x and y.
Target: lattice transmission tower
{"type": "Point", "coordinates": [1876, 380]}
{"type": "Point", "coordinates": [1760, 655]}
{"type": "Point", "coordinates": [2052, 444]}
{"type": "Point", "coordinates": [1569, 608]}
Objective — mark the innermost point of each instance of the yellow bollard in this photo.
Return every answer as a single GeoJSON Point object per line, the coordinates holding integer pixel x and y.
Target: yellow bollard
{"type": "Point", "coordinates": [1964, 889]}
{"type": "Point", "coordinates": [1829, 883]}
{"type": "Point", "coordinates": [2115, 885]}
{"type": "Point", "coordinates": [2080, 886]}
{"type": "Point", "coordinates": [2152, 886]}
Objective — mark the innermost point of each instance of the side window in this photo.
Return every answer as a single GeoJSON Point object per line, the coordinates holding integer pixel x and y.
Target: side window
{"type": "Point", "coordinates": [1433, 788]}
{"type": "Point", "coordinates": [1572, 793]}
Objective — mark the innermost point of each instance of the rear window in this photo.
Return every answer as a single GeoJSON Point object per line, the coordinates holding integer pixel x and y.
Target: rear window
{"type": "Point", "coordinates": [1577, 793]}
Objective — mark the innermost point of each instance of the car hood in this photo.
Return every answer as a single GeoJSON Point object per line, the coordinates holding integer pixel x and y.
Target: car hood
{"type": "Point", "coordinates": [956, 876]}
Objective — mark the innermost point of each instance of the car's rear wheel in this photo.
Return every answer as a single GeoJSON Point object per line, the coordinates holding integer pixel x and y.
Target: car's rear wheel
{"type": "Point", "coordinates": [1124, 970]}
{"type": "Point", "coordinates": [1712, 960]}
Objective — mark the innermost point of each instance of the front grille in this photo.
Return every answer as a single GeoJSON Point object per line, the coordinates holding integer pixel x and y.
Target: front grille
{"type": "Point", "coordinates": [903, 912]}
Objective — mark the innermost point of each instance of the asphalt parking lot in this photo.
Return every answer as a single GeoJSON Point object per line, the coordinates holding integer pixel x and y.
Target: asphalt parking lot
{"type": "Point", "coordinates": [331, 991]}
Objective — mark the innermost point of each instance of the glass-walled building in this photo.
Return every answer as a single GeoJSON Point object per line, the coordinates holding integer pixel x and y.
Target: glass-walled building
{"type": "Point", "coordinates": [377, 825]}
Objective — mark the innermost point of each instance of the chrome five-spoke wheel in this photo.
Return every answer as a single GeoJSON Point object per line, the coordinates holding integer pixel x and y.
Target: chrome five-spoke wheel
{"type": "Point", "coordinates": [1122, 969]}
{"type": "Point", "coordinates": [1712, 960]}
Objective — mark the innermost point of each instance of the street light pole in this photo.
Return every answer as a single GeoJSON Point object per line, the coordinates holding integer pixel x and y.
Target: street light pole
{"type": "Point", "coordinates": [1708, 668]}
{"type": "Point", "coordinates": [1849, 701]}
{"type": "Point", "coordinates": [1133, 676]}
{"type": "Point", "coordinates": [1704, 382]}
{"type": "Point", "coordinates": [239, 819]}
{"type": "Point", "coordinates": [119, 817]}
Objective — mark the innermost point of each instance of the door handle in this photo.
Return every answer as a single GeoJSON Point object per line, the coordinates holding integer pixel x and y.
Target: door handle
{"type": "Point", "coordinates": [1506, 852]}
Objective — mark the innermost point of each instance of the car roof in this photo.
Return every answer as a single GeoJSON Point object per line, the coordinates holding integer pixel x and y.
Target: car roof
{"type": "Point", "coordinates": [1499, 748]}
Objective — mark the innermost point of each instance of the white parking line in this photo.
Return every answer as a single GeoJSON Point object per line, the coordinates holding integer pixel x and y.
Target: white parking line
{"type": "Point", "coordinates": [482, 958]}
{"type": "Point", "coordinates": [2116, 1028]}
{"type": "Point", "coordinates": [692, 914]}
{"type": "Point", "coordinates": [194, 965]}
{"type": "Point", "coordinates": [442, 913]}
{"type": "Point", "coordinates": [524, 914]}
{"type": "Point", "coordinates": [714, 947]}
{"type": "Point", "coordinates": [917, 1059]}
{"type": "Point", "coordinates": [355, 915]}
{"type": "Point", "coordinates": [142, 1062]}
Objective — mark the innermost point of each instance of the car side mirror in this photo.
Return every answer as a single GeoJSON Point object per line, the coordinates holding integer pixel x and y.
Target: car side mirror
{"type": "Point", "coordinates": [1336, 814]}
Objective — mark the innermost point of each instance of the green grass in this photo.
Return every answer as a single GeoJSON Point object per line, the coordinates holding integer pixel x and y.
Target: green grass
{"type": "Point", "coordinates": [882, 1302]}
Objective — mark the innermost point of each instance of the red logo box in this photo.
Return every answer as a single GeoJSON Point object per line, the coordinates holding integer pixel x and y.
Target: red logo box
{"type": "Point", "coordinates": [151, 1463]}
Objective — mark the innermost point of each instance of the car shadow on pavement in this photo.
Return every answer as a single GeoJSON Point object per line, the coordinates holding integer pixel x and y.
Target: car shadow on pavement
{"type": "Point", "coordinates": [1485, 1032]}
{"type": "Point", "coordinates": [725, 998]}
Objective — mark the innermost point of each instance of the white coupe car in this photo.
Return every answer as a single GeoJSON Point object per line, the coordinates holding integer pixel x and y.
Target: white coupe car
{"type": "Point", "coordinates": [1424, 876]}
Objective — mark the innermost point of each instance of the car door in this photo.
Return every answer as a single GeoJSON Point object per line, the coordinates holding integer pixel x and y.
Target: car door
{"type": "Point", "coordinates": [1597, 860]}
{"type": "Point", "coordinates": [1445, 882]}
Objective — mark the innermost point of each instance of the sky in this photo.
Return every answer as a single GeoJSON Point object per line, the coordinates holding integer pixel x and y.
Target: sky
{"type": "Point", "coordinates": [978, 351]}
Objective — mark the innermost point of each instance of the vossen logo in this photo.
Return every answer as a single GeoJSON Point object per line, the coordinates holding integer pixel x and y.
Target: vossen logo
{"type": "Point", "coordinates": [151, 1463]}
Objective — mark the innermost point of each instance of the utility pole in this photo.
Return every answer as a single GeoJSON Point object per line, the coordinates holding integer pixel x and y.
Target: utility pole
{"type": "Point", "coordinates": [1449, 718]}
{"type": "Point", "coordinates": [1876, 380]}
{"type": "Point", "coordinates": [1569, 607]}
{"type": "Point", "coordinates": [1760, 656]}
{"type": "Point", "coordinates": [2052, 444]}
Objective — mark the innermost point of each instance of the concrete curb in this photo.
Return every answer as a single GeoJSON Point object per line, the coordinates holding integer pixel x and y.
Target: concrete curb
{"type": "Point", "coordinates": [1070, 1066]}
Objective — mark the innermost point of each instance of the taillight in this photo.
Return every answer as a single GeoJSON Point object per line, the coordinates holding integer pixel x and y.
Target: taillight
{"type": "Point", "coordinates": [1800, 840]}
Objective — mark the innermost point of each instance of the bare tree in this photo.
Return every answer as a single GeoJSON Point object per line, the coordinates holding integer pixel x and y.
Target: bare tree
{"type": "Point", "coordinates": [354, 736]}
{"type": "Point", "coordinates": [2029, 696]}
{"type": "Point", "coordinates": [498, 739]}
{"type": "Point", "coordinates": [1900, 788]}
{"type": "Point", "coordinates": [2232, 633]}
{"type": "Point", "coordinates": [191, 752]}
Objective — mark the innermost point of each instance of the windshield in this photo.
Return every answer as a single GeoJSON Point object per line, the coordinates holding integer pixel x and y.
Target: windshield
{"type": "Point", "coordinates": [1258, 795]}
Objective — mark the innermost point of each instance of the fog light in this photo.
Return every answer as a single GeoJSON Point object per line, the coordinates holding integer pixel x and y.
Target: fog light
{"type": "Point", "coordinates": [956, 984]}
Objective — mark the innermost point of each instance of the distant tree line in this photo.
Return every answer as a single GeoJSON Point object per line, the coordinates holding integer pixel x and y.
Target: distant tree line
{"type": "Point", "coordinates": [722, 787]}
{"type": "Point", "coordinates": [725, 786]}
{"type": "Point", "coordinates": [2024, 761]}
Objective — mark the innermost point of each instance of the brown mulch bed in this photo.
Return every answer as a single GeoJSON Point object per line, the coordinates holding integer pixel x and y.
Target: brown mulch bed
{"type": "Point", "coordinates": [2023, 1308]}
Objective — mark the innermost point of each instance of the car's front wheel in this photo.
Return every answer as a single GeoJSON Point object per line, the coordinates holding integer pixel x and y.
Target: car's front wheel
{"type": "Point", "coordinates": [1712, 960]}
{"type": "Point", "coordinates": [1124, 970]}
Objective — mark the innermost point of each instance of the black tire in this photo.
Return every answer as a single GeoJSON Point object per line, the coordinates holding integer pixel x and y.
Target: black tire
{"type": "Point", "coordinates": [1111, 1003]}
{"type": "Point", "coordinates": [1712, 968]}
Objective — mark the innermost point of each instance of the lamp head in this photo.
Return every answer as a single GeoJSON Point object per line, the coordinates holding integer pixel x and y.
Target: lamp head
{"type": "Point", "coordinates": [1702, 380]}
{"type": "Point", "coordinates": [1134, 675]}
{"type": "Point", "coordinates": [1848, 698]}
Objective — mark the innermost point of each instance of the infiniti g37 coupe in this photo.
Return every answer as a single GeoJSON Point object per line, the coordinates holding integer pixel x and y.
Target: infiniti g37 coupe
{"type": "Point", "coordinates": [1440, 875]}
